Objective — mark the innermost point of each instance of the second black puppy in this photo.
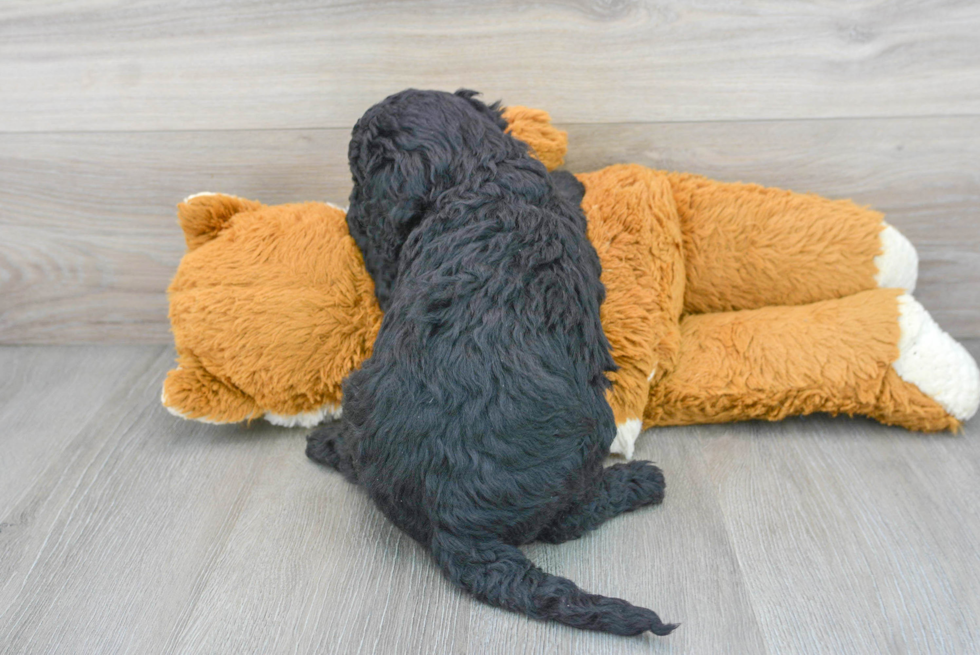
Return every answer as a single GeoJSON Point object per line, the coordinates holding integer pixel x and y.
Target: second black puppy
{"type": "Point", "coordinates": [480, 422]}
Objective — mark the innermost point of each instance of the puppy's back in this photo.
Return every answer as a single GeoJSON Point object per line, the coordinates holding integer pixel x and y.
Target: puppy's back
{"type": "Point", "coordinates": [480, 418]}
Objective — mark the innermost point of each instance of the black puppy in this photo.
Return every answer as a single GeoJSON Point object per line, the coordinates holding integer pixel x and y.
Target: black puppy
{"type": "Point", "coordinates": [480, 422]}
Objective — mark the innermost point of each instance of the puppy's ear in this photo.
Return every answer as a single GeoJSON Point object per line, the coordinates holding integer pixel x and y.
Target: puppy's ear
{"type": "Point", "coordinates": [492, 112]}
{"type": "Point", "coordinates": [568, 187]}
{"type": "Point", "coordinates": [389, 199]}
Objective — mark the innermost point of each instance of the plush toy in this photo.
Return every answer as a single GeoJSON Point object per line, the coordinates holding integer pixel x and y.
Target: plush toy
{"type": "Point", "coordinates": [724, 302]}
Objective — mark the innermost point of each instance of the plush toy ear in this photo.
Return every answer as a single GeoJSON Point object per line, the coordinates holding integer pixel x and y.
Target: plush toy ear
{"type": "Point", "coordinates": [533, 127]}
{"type": "Point", "coordinates": [205, 215]}
{"type": "Point", "coordinates": [190, 391]}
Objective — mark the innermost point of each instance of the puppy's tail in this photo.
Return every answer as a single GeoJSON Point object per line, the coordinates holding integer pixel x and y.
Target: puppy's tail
{"type": "Point", "coordinates": [501, 575]}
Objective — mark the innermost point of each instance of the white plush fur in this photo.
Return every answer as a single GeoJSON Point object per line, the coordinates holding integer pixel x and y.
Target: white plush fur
{"type": "Point", "coordinates": [626, 434]}
{"type": "Point", "coordinates": [935, 363]}
{"type": "Point", "coordinates": [898, 263]}
{"type": "Point", "coordinates": [304, 419]}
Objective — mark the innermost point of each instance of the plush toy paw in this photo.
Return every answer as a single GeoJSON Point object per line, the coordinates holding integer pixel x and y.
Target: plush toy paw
{"type": "Point", "coordinates": [304, 419]}
{"type": "Point", "coordinates": [898, 263]}
{"type": "Point", "coordinates": [936, 363]}
{"type": "Point", "coordinates": [190, 391]}
{"type": "Point", "coordinates": [626, 435]}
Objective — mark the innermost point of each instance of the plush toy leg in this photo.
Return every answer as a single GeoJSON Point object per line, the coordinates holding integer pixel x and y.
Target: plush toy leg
{"type": "Point", "coordinates": [634, 227]}
{"type": "Point", "coordinates": [190, 391]}
{"type": "Point", "coordinates": [748, 246]}
{"type": "Point", "coordinates": [876, 353]}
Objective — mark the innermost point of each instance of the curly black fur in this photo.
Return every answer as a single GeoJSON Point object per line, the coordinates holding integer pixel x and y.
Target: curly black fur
{"type": "Point", "coordinates": [480, 421]}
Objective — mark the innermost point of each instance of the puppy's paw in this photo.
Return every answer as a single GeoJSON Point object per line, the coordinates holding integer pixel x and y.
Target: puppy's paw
{"type": "Point", "coordinates": [650, 483]}
{"type": "Point", "coordinates": [322, 445]}
{"type": "Point", "coordinates": [936, 363]}
{"type": "Point", "coordinates": [637, 484]}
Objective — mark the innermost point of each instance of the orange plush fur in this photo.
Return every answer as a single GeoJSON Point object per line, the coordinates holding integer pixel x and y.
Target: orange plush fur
{"type": "Point", "coordinates": [724, 302]}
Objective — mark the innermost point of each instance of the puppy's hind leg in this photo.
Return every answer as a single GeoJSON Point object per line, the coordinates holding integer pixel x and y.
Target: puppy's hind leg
{"type": "Point", "coordinates": [623, 488]}
{"type": "Point", "coordinates": [327, 445]}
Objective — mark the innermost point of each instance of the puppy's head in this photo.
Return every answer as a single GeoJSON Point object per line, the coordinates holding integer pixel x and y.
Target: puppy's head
{"type": "Point", "coordinates": [404, 152]}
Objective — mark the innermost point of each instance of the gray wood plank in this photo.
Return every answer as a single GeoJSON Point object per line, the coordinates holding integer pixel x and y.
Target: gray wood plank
{"type": "Point", "coordinates": [90, 239]}
{"type": "Point", "coordinates": [312, 567]}
{"type": "Point", "coordinates": [144, 533]}
{"type": "Point", "coordinates": [34, 385]}
{"type": "Point", "coordinates": [159, 66]}
{"type": "Point", "coordinates": [853, 537]}
{"type": "Point", "coordinates": [106, 548]}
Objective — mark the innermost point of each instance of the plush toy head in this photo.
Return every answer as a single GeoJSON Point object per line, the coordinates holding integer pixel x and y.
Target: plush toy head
{"type": "Point", "coordinates": [270, 308]}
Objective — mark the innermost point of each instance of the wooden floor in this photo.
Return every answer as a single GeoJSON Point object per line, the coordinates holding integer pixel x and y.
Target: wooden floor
{"type": "Point", "coordinates": [126, 530]}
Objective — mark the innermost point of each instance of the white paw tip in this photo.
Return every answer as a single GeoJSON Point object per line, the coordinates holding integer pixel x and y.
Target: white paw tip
{"type": "Point", "coordinates": [898, 263]}
{"type": "Point", "coordinates": [304, 419]}
{"type": "Point", "coordinates": [935, 362]}
{"type": "Point", "coordinates": [626, 434]}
